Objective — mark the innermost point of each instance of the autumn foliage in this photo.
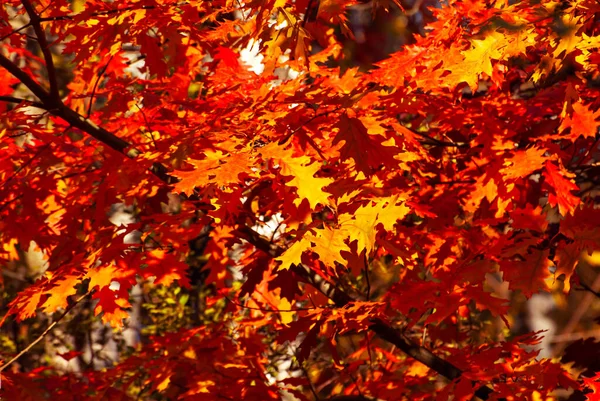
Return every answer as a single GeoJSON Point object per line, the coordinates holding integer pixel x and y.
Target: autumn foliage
{"type": "Point", "coordinates": [369, 224]}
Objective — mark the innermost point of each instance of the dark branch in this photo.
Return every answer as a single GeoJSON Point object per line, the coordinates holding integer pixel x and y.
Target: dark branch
{"type": "Point", "coordinates": [34, 20]}
{"type": "Point", "coordinates": [25, 79]}
{"type": "Point", "coordinates": [590, 289]}
{"type": "Point", "coordinates": [382, 329]}
{"type": "Point", "coordinates": [57, 108]}
{"type": "Point", "coordinates": [10, 99]}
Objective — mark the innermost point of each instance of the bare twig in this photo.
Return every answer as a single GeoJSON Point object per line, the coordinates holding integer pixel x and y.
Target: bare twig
{"type": "Point", "coordinates": [11, 99]}
{"type": "Point", "coordinates": [15, 31]}
{"type": "Point", "coordinates": [266, 310]}
{"type": "Point", "coordinates": [310, 385]}
{"type": "Point", "coordinates": [575, 336]}
{"type": "Point", "coordinates": [307, 16]}
{"type": "Point", "coordinates": [288, 136]}
{"type": "Point", "coordinates": [436, 142]}
{"type": "Point", "coordinates": [48, 329]}
{"type": "Point", "coordinates": [98, 78]}
{"type": "Point", "coordinates": [27, 163]}
{"type": "Point", "coordinates": [366, 262]}
{"type": "Point", "coordinates": [583, 307]}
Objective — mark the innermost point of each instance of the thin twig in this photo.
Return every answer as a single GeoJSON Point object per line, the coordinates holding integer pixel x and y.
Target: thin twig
{"type": "Point", "coordinates": [356, 384]}
{"type": "Point", "coordinates": [366, 262]}
{"type": "Point", "coordinates": [8, 202]}
{"type": "Point", "coordinates": [25, 79]}
{"type": "Point", "coordinates": [27, 163]}
{"type": "Point", "coordinates": [583, 307]}
{"type": "Point", "coordinates": [48, 329]}
{"type": "Point", "coordinates": [11, 99]}
{"type": "Point", "coordinates": [575, 336]}
{"type": "Point", "coordinates": [288, 136]}
{"type": "Point", "coordinates": [15, 31]}
{"type": "Point", "coordinates": [148, 125]}
{"type": "Point", "coordinates": [588, 151]}
{"type": "Point", "coordinates": [310, 385]}
{"type": "Point", "coordinates": [436, 142]}
{"type": "Point", "coordinates": [308, 11]}
{"type": "Point", "coordinates": [34, 20]}
{"type": "Point", "coordinates": [588, 288]}
{"type": "Point", "coordinates": [267, 310]}
{"type": "Point", "coordinates": [100, 75]}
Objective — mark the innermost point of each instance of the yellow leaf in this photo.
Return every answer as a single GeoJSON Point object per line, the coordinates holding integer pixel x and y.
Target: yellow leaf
{"type": "Point", "coordinates": [102, 276]}
{"type": "Point", "coordinates": [292, 256]}
{"type": "Point", "coordinates": [60, 293]}
{"type": "Point", "coordinates": [466, 66]}
{"type": "Point", "coordinates": [523, 163]}
{"type": "Point", "coordinates": [489, 190]}
{"type": "Point", "coordinates": [328, 245]}
{"type": "Point", "coordinates": [480, 56]}
{"type": "Point", "coordinates": [10, 248]}
{"type": "Point", "coordinates": [286, 317]}
{"type": "Point", "coordinates": [568, 38]}
{"type": "Point", "coordinates": [303, 172]}
{"type": "Point", "coordinates": [162, 386]}
{"type": "Point", "coordinates": [361, 225]}
{"type": "Point", "coordinates": [202, 386]}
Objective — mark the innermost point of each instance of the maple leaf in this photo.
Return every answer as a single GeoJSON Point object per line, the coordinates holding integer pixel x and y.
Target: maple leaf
{"type": "Point", "coordinates": [302, 171]}
{"type": "Point", "coordinates": [593, 383]}
{"type": "Point", "coordinates": [217, 168]}
{"type": "Point", "coordinates": [568, 39]}
{"type": "Point", "coordinates": [67, 356]}
{"type": "Point", "coordinates": [229, 57]}
{"type": "Point", "coordinates": [582, 122]}
{"type": "Point", "coordinates": [367, 151]}
{"type": "Point", "coordinates": [561, 195]}
{"type": "Point", "coordinates": [378, 192]}
{"type": "Point", "coordinates": [293, 255]}
{"type": "Point", "coordinates": [524, 163]}
{"type": "Point", "coordinates": [327, 243]}
{"type": "Point", "coordinates": [25, 305]}
{"type": "Point", "coordinates": [529, 275]}
{"type": "Point", "coordinates": [566, 259]}
{"type": "Point", "coordinates": [60, 293]}
{"type": "Point", "coordinates": [110, 305]}
{"type": "Point", "coordinates": [485, 187]}
{"type": "Point", "coordinates": [479, 57]}
{"type": "Point", "coordinates": [360, 225]}
{"type": "Point", "coordinates": [154, 55]}
{"type": "Point", "coordinates": [165, 268]}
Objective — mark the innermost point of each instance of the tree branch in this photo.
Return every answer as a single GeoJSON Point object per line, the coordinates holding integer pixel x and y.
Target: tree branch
{"type": "Point", "coordinates": [379, 327]}
{"type": "Point", "coordinates": [10, 99]}
{"type": "Point", "coordinates": [34, 20]}
{"type": "Point", "coordinates": [25, 79]}
{"type": "Point", "coordinates": [57, 108]}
